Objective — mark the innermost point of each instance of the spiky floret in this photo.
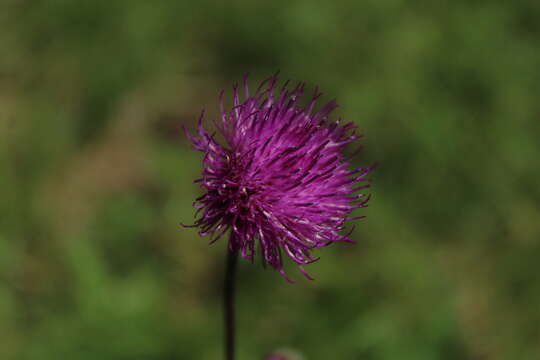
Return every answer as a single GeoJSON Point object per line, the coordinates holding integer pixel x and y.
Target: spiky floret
{"type": "Point", "coordinates": [280, 182]}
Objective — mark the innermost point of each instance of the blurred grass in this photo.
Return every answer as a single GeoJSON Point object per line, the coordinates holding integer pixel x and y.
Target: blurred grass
{"type": "Point", "coordinates": [95, 178]}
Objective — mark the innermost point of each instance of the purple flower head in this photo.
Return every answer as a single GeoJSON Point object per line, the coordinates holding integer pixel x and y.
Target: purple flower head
{"type": "Point", "coordinates": [279, 182]}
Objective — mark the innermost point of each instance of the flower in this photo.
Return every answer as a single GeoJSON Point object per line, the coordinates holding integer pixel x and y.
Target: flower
{"type": "Point", "coordinates": [279, 182]}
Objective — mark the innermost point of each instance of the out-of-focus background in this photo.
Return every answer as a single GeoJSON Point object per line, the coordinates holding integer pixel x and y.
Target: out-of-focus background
{"type": "Point", "coordinates": [95, 178]}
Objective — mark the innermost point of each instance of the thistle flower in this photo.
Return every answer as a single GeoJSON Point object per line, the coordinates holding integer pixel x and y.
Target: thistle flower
{"type": "Point", "coordinates": [279, 182]}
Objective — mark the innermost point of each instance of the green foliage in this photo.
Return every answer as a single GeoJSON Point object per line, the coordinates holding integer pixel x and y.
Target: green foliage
{"type": "Point", "coordinates": [95, 178]}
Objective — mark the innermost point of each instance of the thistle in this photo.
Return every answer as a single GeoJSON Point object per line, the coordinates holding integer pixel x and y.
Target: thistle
{"type": "Point", "coordinates": [278, 183]}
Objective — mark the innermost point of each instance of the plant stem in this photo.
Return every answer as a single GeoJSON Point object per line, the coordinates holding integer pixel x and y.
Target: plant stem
{"type": "Point", "coordinates": [228, 303]}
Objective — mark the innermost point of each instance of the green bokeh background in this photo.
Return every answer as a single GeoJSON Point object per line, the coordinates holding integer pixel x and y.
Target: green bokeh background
{"type": "Point", "coordinates": [95, 178]}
